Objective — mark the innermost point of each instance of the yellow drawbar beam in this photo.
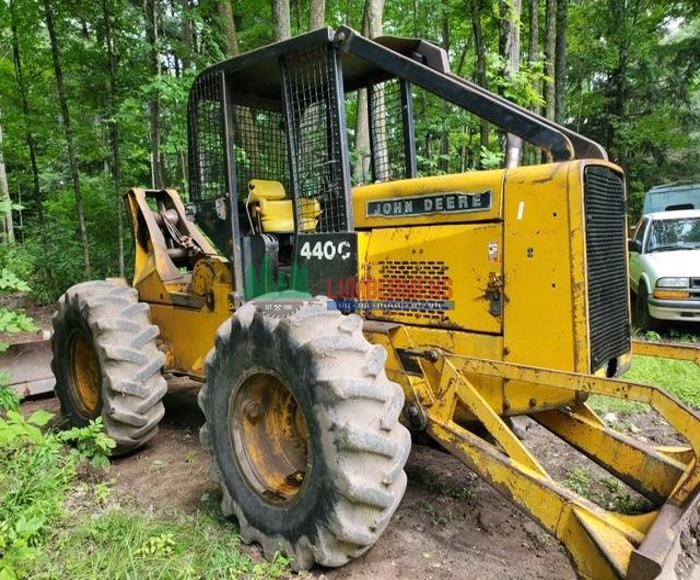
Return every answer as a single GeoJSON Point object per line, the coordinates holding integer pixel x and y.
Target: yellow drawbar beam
{"type": "Point", "coordinates": [602, 544]}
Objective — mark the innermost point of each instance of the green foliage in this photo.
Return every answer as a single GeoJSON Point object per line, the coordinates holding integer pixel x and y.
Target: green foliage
{"type": "Point", "coordinates": [520, 86]}
{"type": "Point", "coordinates": [13, 321]}
{"type": "Point", "coordinates": [15, 260]}
{"type": "Point", "coordinates": [53, 254]}
{"type": "Point", "coordinates": [126, 543]}
{"type": "Point", "coordinates": [15, 428]}
{"type": "Point", "coordinates": [6, 206]}
{"type": "Point", "coordinates": [9, 399]}
{"type": "Point", "coordinates": [633, 86]}
{"type": "Point", "coordinates": [9, 282]}
{"type": "Point", "coordinates": [37, 472]}
{"type": "Point", "coordinates": [91, 443]}
{"type": "Point", "coordinates": [606, 491]}
{"type": "Point", "coordinates": [34, 477]}
{"type": "Point", "coordinates": [39, 475]}
{"type": "Point", "coordinates": [491, 159]}
{"type": "Point", "coordinates": [681, 378]}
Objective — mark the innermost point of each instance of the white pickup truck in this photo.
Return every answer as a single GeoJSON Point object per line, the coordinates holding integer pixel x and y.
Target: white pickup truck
{"type": "Point", "coordinates": [665, 268]}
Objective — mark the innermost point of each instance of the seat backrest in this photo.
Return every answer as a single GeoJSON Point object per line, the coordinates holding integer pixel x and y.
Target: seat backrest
{"type": "Point", "coordinates": [265, 189]}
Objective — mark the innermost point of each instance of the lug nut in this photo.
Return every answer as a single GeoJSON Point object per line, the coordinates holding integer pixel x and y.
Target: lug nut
{"type": "Point", "coordinates": [252, 411]}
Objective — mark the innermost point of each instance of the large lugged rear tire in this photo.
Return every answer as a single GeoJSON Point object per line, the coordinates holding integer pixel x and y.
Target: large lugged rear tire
{"type": "Point", "coordinates": [302, 423]}
{"type": "Point", "coordinates": [107, 363]}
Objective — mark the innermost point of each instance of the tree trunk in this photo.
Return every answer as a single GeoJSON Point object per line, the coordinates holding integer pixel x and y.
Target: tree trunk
{"type": "Point", "coordinates": [480, 63]}
{"type": "Point", "coordinates": [550, 55]}
{"type": "Point", "coordinates": [560, 62]}
{"type": "Point", "coordinates": [228, 26]}
{"type": "Point", "coordinates": [186, 35]}
{"type": "Point", "coordinates": [114, 134]}
{"type": "Point", "coordinates": [533, 49]}
{"type": "Point", "coordinates": [68, 131]}
{"type": "Point", "coordinates": [282, 19]}
{"type": "Point", "coordinates": [533, 57]}
{"type": "Point", "coordinates": [28, 120]}
{"type": "Point", "coordinates": [623, 20]}
{"type": "Point", "coordinates": [7, 231]}
{"type": "Point", "coordinates": [510, 18]}
{"type": "Point", "coordinates": [317, 17]}
{"type": "Point", "coordinates": [371, 27]}
{"type": "Point", "coordinates": [154, 104]}
{"type": "Point", "coordinates": [444, 161]}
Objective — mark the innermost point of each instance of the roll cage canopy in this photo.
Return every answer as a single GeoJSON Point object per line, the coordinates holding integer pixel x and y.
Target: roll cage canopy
{"type": "Point", "coordinates": [365, 62]}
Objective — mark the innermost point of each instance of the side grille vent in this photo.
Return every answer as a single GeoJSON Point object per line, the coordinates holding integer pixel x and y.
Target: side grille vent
{"type": "Point", "coordinates": [606, 250]}
{"type": "Point", "coordinates": [391, 271]}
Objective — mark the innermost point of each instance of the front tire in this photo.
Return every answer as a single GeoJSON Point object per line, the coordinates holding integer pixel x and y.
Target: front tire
{"type": "Point", "coordinates": [645, 321]}
{"type": "Point", "coordinates": [302, 424]}
{"type": "Point", "coordinates": [106, 362]}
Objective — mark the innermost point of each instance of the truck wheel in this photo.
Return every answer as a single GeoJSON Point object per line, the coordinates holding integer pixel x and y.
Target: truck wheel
{"type": "Point", "coordinates": [644, 320]}
{"type": "Point", "coordinates": [302, 424]}
{"type": "Point", "coordinates": [107, 363]}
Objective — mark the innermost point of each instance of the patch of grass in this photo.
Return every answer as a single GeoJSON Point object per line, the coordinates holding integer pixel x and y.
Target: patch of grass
{"type": "Point", "coordinates": [59, 519]}
{"type": "Point", "coordinates": [439, 518]}
{"type": "Point", "coordinates": [681, 378]}
{"type": "Point", "coordinates": [607, 492]}
{"type": "Point", "coordinates": [602, 405]}
{"type": "Point", "coordinates": [123, 542]}
{"type": "Point", "coordinates": [620, 500]}
{"type": "Point", "coordinates": [9, 399]}
{"type": "Point", "coordinates": [36, 472]}
{"type": "Point", "coordinates": [578, 479]}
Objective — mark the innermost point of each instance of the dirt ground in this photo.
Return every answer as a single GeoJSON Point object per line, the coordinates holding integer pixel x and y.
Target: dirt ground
{"type": "Point", "coordinates": [450, 525]}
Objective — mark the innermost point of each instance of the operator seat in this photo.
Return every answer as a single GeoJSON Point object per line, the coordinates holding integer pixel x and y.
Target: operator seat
{"type": "Point", "coordinates": [267, 204]}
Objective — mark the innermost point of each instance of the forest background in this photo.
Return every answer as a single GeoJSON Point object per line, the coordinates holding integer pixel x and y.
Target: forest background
{"type": "Point", "coordinates": [93, 99]}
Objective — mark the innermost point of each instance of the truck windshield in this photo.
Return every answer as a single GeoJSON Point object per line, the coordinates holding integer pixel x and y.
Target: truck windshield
{"type": "Point", "coordinates": [676, 234]}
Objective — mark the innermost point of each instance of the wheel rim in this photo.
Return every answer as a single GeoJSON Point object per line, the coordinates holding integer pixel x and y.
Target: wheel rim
{"type": "Point", "coordinates": [85, 374]}
{"type": "Point", "coordinates": [270, 438]}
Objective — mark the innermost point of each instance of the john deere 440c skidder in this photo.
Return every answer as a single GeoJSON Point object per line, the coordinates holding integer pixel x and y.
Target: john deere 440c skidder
{"type": "Point", "coordinates": [447, 302]}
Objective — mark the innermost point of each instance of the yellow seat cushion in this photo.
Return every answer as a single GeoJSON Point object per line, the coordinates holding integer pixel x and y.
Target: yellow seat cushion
{"type": "Point", "coordinates": [277, 216]}
{"type": "Point", "coordinates": [266, 189]}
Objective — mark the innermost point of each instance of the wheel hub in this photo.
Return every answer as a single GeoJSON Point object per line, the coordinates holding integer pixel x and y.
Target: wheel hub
{"type": "Point", "coordinates": [85, 372]}
{"type": "Point", "coordinates": [270, 437]}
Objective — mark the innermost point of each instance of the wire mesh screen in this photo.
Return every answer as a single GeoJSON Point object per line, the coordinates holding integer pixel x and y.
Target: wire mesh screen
{"type": "Point", "coordinates": [316, 140]}
{"type": "Point", "coordinates": [207, 159]}
{"type": "Point", "coordinates": [260, 146]}
{"type": "Point", "coordinates": [387, 131]}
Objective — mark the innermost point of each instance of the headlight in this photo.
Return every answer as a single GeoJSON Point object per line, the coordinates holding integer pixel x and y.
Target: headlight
{"type": "Point", "coordinates": [673, 283]}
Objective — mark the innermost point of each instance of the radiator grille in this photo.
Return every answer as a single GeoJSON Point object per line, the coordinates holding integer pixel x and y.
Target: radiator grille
{"type": "Point", "coordinates": [391, 271]}
{"type": "Point", "coordinates": [608, 315]}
